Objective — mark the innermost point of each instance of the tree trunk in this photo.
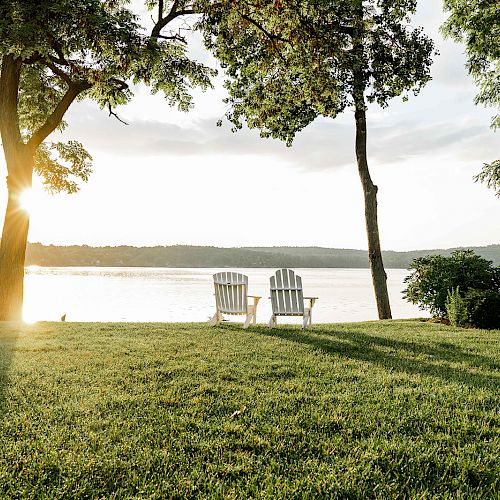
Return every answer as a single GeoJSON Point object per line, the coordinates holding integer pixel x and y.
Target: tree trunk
{"type": "Point", "coordinates": [379, 276]}
{"type": "Point", "coordinates": [19, 160]}
{"type": "Point", "coordinates": [19, 157]}
{"type": "Point", "coordinates": [14, 237]}
{"type": "Point", "coordinates": [360, 80]}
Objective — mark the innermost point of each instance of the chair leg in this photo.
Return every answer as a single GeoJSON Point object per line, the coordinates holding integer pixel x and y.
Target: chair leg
{"type": "Point", "coordinates": [216, 319]}
{"type": "Point", "coordinates": [306, 319]}
{"type": "Point", "coordinates": [247, 320]}
{"type": "Point", "coordinates": [272, 321]}
{"type": "Point", "coordinates": [254, 309]}
{"type": "Point", "coordinates": [251, 316]}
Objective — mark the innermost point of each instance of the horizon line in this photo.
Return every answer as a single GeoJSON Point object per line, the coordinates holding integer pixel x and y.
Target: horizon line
{"type": "Point", "coordinates": [258, 247]}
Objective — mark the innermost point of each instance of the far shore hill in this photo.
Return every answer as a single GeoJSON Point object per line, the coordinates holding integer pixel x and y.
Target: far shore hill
{"type": "Point", "coordinates": [213, 257]}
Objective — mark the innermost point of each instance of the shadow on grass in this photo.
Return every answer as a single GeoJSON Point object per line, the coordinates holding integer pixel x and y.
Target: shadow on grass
{"type": "Point", "coordinates": [431, 360]}
{"type": "Point", "coordinates": [8, 339]}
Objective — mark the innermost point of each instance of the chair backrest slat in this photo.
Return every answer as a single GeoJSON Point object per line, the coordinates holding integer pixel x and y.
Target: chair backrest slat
{"type": "Point", "coordinates": [280, 292]}
{"type": "Point", "coordinates": [231, 292]}
{"type": "Point", "coordinates": [287, 293]}
{"type": "Point", "coordinates": [287, 296]}
{"type": "Point", "coordinates": [225, 294]}
{"type": "Point", "coordinates": [274, 295]}
{"type": "Point", "coordinates": [295, 303]}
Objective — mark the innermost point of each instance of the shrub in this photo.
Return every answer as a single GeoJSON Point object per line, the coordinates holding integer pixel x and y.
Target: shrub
{"type": "Point", "coordinates": [456, 309]}
{"type": "Point", "coordinates": [482, 308]}
{"type": "Point", "coordinates": [432, 277]}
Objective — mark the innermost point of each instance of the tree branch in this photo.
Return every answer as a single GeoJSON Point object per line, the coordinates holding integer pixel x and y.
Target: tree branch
{"type": "Point", "coordinates": [58, 49]}
{"type": "Point", "coordinates": [57, 71]}
{"type": "Point", "coordinates": [119, 83]}
{"type": "Point", "coordinates": [176, 37]}
{"type": "Point", "coordinates": [160, 10]}
{"type": "Point", "coordinates": [33, 59]}
{"type": "Point", "coordinates": [57, 115]}
{"type": "Point", "coordinates": [163, 21]}
{"type": "Point", "coordinates": [270, 35]}
{"type": "Point", "coordinates": [112, 113]}
{"type": "Point", "coordinates": [61, 62]}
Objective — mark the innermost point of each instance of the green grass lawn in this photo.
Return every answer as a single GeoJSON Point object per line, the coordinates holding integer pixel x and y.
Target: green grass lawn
{"type": "Point", "coordinates": [395, 409]}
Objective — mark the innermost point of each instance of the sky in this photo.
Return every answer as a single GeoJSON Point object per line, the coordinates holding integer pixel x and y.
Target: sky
{"type": "Point", "coordinates": [176, 178]}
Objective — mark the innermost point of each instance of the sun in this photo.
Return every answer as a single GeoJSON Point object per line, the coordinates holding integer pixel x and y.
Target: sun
{"type": "Point", "coordinates": [27, 200]}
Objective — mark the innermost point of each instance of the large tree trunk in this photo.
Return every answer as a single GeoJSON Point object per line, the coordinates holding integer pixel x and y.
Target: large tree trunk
{"type": "Point", "coordinates": [19, 159]}
{"type": "Point", "coordinates": [14, 238]}
{"type": "Point", "coordinates": [379, 276]}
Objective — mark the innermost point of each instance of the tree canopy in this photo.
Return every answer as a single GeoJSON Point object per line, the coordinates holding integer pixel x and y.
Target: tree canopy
{"type": "Point", "coordinates": [88, 49]}
{"type": "Point", "coordinates": [476, 23]}
{"type": "Point", "coordinates": [289, 62]}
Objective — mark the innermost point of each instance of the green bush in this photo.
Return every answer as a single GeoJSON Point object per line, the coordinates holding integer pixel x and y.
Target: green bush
{"type": "Point", "coordinates": [482, 308]}
{"type": "Point", "coordinates": [456, 309]}
{"type": "Point", "coordinates": [432, 277]}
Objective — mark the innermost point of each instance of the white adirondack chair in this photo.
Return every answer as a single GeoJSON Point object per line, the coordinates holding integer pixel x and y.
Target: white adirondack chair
{"type": "Point", "coordinates": [287, 298]}
{"type": "Point", "coordinates": [231, 297]}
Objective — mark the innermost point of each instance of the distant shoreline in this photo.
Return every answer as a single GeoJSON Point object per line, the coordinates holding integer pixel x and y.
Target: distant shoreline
{"type": "Point", "coordinates": [36, 266]}
{"type": "Point", "coordinates": [186, 256]}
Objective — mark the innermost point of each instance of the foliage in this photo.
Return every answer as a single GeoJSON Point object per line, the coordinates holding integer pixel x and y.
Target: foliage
{"type": "Point", "coordinates": [432, 277]}
{"type": "Point", "coordinates": [59, 164]}
{"type": "Point", "coordinates": [77, 49]}
{"type": "Point", "coordinates": [477, 24]}
{"type": "Point", "coordinates": [483, 308]}
{"type": "Point", "coordinates": [476, 308]}
{"type": "Point", "coordinates": [456, 310]}
{"type": "Point", "coordinates": [399, 409]}
{"type": "Point", "coordinates": [290, 62]}
{"type": "Point", "coordinates": [490, 175]}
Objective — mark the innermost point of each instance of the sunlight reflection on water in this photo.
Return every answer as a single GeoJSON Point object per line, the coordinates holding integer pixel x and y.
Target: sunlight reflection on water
{"type": "Point", "coordinates": [164, 294]}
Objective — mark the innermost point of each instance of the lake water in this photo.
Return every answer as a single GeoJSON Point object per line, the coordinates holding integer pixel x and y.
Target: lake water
{"type": "Point", "coordinates": [164, 294]}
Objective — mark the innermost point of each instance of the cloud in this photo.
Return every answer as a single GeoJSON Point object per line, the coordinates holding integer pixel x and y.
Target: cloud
{"type": "Point", "coordinates": [322, 145]}
{"type": "Point", "coordinates": [409, 140]}
{"type": "Point", "coordinates": [325, 144]}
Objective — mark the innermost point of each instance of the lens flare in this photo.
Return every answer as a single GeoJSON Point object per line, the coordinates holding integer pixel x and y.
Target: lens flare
{"type": "Point", "coordinates": [27, 200]}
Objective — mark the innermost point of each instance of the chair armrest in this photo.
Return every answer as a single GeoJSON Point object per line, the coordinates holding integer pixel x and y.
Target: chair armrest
{"type": "Point", "coordinates": [311, 300]}
{"type": "Point", "coordinates": [255, 298]}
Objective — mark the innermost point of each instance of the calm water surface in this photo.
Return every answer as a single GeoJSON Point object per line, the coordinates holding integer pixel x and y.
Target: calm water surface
{"type": "Point", "coordinates": [164, 294]}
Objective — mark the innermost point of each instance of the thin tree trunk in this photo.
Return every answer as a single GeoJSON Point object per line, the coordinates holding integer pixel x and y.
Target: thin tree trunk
{"type": "Point", "coordinates": [379, 276]}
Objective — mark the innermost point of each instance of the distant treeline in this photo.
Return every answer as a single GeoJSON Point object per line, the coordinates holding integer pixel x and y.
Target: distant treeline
{"type": "Point", "coordinates": [193, 256]}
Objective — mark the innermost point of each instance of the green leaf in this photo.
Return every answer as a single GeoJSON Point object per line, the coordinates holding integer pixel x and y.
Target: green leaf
{"type": "Point", "coordinates": [61, 165]}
